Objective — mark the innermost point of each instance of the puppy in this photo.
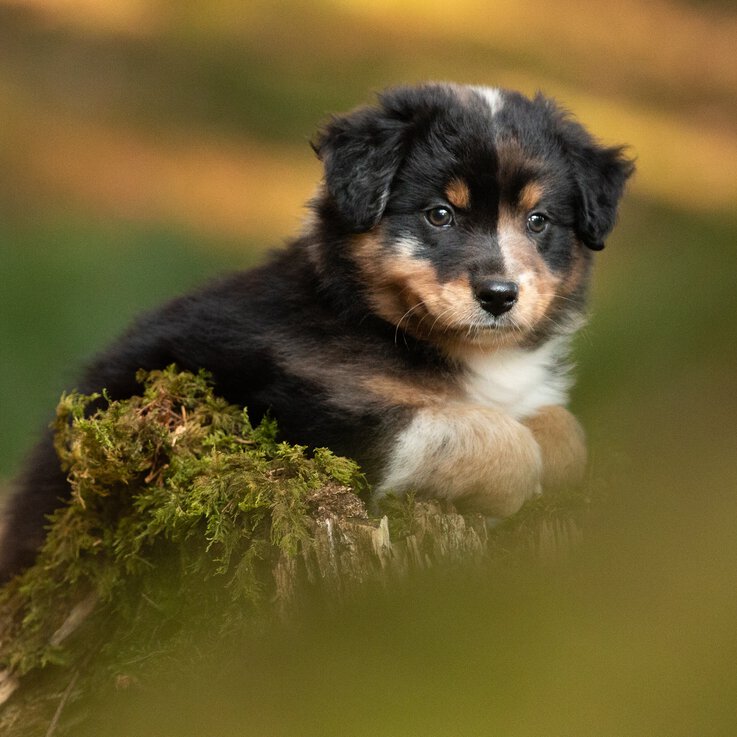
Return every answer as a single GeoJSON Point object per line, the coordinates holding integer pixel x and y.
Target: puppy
{"type": "Point", "coordinates": [421, 322]}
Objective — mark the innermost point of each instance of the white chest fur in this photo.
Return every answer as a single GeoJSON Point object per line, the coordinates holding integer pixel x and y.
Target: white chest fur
{"type": "Point", "coordinates": [518, 381]}
{"type": "Point", "coordinates": [475, 450]}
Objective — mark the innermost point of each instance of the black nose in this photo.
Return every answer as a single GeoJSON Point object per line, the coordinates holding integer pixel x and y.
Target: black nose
{"type": "Point", "coordinates": [497, 297]}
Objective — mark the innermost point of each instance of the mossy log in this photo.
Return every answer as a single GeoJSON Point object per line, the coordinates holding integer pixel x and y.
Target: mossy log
{"type": "Point", "coordinates": [186, 521]}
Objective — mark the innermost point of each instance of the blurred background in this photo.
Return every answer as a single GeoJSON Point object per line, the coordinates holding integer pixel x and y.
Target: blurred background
{"type": "Point", "coordinates": [146, 145]}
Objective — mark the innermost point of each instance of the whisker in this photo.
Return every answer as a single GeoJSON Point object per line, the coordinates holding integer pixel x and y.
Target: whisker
{"type": "Point", "coordinates": [440, 316]}
{"type": "Point", "coordinates": [406, 315]}
{"type": "Point", "coordinates": [554, 295]}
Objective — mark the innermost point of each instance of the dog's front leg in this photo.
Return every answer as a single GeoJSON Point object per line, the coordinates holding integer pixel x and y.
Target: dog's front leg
{"type": "Point", "coordinates": [563, 445]}
{"type": "Point", "coordinates": [479, 458]}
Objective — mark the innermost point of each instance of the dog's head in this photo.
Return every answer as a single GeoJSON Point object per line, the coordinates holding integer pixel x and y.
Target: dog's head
{"type": "Point", "coordinates": [469, 213]}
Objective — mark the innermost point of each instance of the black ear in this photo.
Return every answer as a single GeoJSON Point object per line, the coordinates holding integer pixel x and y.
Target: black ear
{"type": "Point", "coordinates": [361, 153]}
{"type": "Point", "coordinates": [600, 174]}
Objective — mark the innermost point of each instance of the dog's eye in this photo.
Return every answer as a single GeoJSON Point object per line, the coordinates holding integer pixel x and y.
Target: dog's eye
{"type": "Point", "coordinates": [440, 217]}
{"type": "Point", "coordinates": [537, 223]}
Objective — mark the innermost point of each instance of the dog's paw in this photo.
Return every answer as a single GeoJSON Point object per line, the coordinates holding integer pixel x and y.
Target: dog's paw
{"type": "Point", "coordinates": [480, 459]}
{"type": "Point", "coordinates": [563, 446]}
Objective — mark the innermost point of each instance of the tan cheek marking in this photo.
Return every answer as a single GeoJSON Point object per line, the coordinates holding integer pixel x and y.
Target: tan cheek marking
{"type": "Point", "coordinates": [458, 194]}
{"type": "Point", "coordinates": [538, 284]}
{"type": "Point", "coordinates": [563, 445]}
{"type": "Point", "coordinates": [456, 297]}
{"type": "Point", "coordinates": [405, 290]}
{"type": "Point", "coordinates": [386, 280]}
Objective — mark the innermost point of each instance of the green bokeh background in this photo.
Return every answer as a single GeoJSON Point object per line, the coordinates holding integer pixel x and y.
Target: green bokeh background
{"type": "Point", "coordinates": [635, 633]}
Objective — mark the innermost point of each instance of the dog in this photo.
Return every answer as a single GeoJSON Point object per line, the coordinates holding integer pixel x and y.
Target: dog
{"type": "Point", "coordinates": [421, 322]}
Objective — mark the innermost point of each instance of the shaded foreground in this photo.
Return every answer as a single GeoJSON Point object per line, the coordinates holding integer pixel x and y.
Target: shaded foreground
{"type": "Point", "coordinates": [193, 538]}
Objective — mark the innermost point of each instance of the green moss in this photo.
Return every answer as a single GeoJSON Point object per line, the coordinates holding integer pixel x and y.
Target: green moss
{"type": "Point", "coordinates": [189, 531]}
{"type": "Point", "coordinates": [178, 505]}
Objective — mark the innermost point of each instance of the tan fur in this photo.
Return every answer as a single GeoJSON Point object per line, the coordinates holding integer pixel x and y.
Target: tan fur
{"type": "Point", "coordinates": [405, 291]}
{"type": "Point", "coordinates": [458, 194]}
{"type": "Point", "coordinates": [563, 444]}
{"type": "Point", "coordinates": [530, 197]}
{"type": "Point", "coordinates": [513, 158]}
{"type": "Point", "coordinates": [538, 285]}
{"type": "Point", "coordinates": [387, 293]}
{"type": "Point", "coordinates": [421, 392]}
{"type": "Point", "coordinates": [477, 457]}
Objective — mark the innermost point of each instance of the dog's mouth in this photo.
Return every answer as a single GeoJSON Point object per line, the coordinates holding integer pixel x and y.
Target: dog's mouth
{"type": "Point", "coordinates": [473, 326]}
{"type": "Point", "coordinates": [491, 326]}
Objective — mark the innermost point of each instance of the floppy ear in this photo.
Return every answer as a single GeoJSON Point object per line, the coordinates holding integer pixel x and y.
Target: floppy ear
{"type": "Point", "coordinates": [361, 153]}
{"type": "Point", "coordinates": [600, 174]}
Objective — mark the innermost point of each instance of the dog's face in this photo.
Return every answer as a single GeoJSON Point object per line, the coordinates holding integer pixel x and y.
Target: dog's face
{"type": "Point", "coordinates": [472, 212]}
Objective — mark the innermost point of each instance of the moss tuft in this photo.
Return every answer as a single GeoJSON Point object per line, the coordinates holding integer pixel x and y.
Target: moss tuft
{"type": "Point", "coordinates": [178, 504]}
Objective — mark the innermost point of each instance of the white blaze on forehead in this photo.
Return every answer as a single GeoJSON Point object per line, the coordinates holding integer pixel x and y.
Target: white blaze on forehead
{"type": "Point", "coordinates": [493, 96]}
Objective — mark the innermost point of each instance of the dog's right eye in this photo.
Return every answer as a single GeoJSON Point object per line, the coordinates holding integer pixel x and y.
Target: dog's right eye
{"type": "Point", "coordinates": [440, 217]}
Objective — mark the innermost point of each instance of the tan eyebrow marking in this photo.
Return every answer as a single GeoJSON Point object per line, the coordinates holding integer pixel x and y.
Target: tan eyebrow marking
{"type": "Point", "coordinates": [530, 196]}
{"type": "Point", "coordinates": [458, 194]}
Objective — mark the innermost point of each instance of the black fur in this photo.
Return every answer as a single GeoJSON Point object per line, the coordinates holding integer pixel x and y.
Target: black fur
{"type": "Point", "coordinates": [297, 335]}
{"type": "Point", "coordinates": [600, 174]}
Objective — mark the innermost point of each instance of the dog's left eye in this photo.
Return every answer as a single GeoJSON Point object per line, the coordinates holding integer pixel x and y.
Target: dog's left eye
{"type": "Point", "coordinates": [440, 217]}
{"type": "Point", "coordinates": [537, 223]}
